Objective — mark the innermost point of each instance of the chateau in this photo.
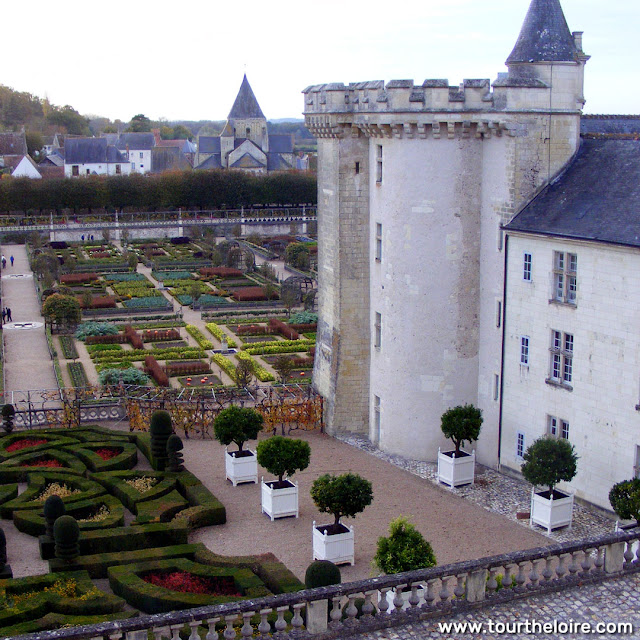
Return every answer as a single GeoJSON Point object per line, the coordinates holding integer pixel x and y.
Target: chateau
{"type": "Point", "coordinates": [474, 248]}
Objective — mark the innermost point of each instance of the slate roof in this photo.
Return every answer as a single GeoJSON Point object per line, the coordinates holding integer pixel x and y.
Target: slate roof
{"type": "Point", "coordinates": [281, 143]}
{"type": "Point", "coordinates": [209, 144]}
{"type": "Point", "coordinates": [136, 141]}
{"type": "Point", "coordinates": [13, 143]}
{"type": "Point", "coordinates": [610, 124]}
{"type": "Point", "coordinates": [247, 161]}
{"type": "Point", "coordinates": [246, 105]}
{"type": "Point", "coordinates": [90, 151]}
{"type": "Point", "coordinates": [275, 162]}
{"type": "Point", "coordinates": [545, 35]}
{"type": "Point", "coordinates": [597, 198]}
{"type": "Point", "coordinates": [212, 162]}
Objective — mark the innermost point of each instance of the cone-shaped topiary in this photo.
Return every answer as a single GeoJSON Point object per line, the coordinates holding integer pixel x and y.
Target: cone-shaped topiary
{"type": "Point", "coordinates": [8, 412]}
{"type": "Point", "coordinates": [53, 509]}
{"type": "Point", "coordinates": [404, 549]}
{"type": "Point", "coordinates": [321, 573]}
{"type": "Point", "coordinates": [65, 534]}
{"type": "Point", "coordinates": [174, 453]}
{"type": "Point", "coordinates": [160, 428]}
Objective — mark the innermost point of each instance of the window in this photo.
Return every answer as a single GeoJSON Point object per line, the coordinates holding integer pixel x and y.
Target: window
{"type": "Point", "coordinates": [377, 340]}
{"type": "Point", "coordinates": [141, 155]}
{"type": "Point", "coordinates": [248, 130]}
{"type": "Point", "coordinates": [376, 419]}
{"type": "Point", "coordinates": [498, 313]}
{"type": "Point", "coordinates": [524, 351]}
{"type": "Point", "coordinates": [357, 168]}
{"type": "Point", "coordinates": [526, 267]}
{"type": "Point", "coordinates": [75, 170]}
{"type": "Point", "coordinates": [565, 284]}
{"type": "Point", "coordinates": [557, 428]}
{"type": "Point", "coordinates": [561, 368]}
{"type": "Point", "coordinates": [378, 242]}
{"type": "Point", "coordinates": [496, 387]}
{"type": "Point", "coordinates": [118, 170]}
{"type": "Point", "coordinates": [520, 445]}
{"type": "Point", "coordinates": [379, 164]}
{"type": "Point", "coordinates": [88, 172]}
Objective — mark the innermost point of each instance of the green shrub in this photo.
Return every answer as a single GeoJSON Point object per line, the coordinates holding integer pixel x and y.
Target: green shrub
{"type": "Point", "coordinates": [344, 495]}
{"type": "Point", "coordinates": [8, 413]}
{"type": "Point", "coordinates": [95, 329]}
{"type": "Point", "coordinates": [625, 499]}
{"type": "Point", "coordinates": [283, 456]}
{"type": "Point", "coordinates": [174, 453]}
{"type": "Point", "coordinates": [405, 549]}
{"type": "Point", "coordinates": [160, 428]}
{"type": "Point", "coordinates": [548, 461]}
{"type": "Point", "coordinates": [225, 364]}
{"type": "Point", "coordinates": [259, 371]}
{"type": "Point", "coordinates": [66, 534]}
{"type": "Point", "coordinates": [52, 510]}
{"type": "Point", "coordinates": [130, 375]}
{"type": "Point", "coordinates": [321, 573]}
{"type": "Point", "coordinates": [203, 343]}
{"type": "Point", "coordinates": [237, 424]}
{"type": "Point", "coordinates": [303, 317]}
{"type": "Point", "coordinates": [461, 424]}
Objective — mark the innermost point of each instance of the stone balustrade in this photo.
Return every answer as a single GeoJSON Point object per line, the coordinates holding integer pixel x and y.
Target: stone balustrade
{"type": "Point", "coordinates": [348, 609]}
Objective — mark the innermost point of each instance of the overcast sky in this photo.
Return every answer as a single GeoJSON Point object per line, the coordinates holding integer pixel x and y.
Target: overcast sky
{"type": "Point", "coordinates": [185, 60]}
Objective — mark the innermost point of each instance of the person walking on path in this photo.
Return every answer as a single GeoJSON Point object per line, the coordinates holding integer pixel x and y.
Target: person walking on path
{"type": "Point", "coordinates": [9, 314]}
{"type": "Point", "coordinates": [4, 262]}
{"type": "Point", "coordinates": [11, 260]}
{"type": "Point", "coordinates": [4, 314]}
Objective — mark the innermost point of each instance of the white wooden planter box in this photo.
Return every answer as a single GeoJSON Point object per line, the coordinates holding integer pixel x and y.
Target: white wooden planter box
{"type": "Point", "coordinates": [339, 548]}
{"type": "Point", "coordinates": [456, 471]}
{"type": "Point", "coordinates": [280, 503]}
{"type": "Point", "coordinates": [243, 469]}
{"type": "Point", "coordinates": [550, 513]}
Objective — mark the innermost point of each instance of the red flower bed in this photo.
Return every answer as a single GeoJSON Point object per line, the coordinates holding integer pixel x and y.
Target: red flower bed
{"type": "Point", "coordinates": [188, 583]}
{"type": "Point", "coordinates": [78, 278]}
{"type": "Point", "coordinates": [106, 453]}
{"type": "Point", "coordinates": [43, 462]}
{"type": "Point", "coordinates": [251, 294]}
{"type": "Point", "coordinates": [223, 272]}
{"type": "Point", "coordinates": [285, 330]}
{"type": "Point", "coordinates": [99, 254]}
{"type": "Point", "coordinates": [153, 368]}
{"type": "Point", "coordinates": [24, 443]}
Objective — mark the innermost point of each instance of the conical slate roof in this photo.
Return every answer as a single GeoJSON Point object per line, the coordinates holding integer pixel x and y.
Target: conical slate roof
{"type": "Point", "coordinates": [246, 105]}
{"type": "Point", "coordinates": [545, 35]}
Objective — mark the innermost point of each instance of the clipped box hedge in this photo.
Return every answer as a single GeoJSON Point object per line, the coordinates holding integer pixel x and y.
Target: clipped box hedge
{"type": "Point", "coordinates": [37, 483]}
{"type": "Point", "coordinates": [32, 521]}
{"type": "Point", "coordinates": [127, 582]}
{"type": "Point", "coordinates": [114, 482]}
{"type": "Point", "coordinates": [8, 492]}
{"type": "Point", "coordinates": [96, 565]}
{"type": "Point", "coordinates": [126, 459]}
{"type": "Point", "coordinates": [204, 508]}
{"type": "Point", "coordinates": [17, 468]}
{"type": "Point", "coordinates": [51, 438]}
{"type": "Point", "coordinates": [160, 509]}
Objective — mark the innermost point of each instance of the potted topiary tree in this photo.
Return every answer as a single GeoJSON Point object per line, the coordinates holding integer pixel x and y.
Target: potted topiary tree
{"type": "Point", "coordinates": [282, 457]}
{"type": "Point", "coordinates": [343, 496]}
{"type": "Point", "coordinates": [460, 424]}
{"type": "Point", "coordinates": [239, 424]}
{"type": "Point", "coordinates": [546, 462]}
{"type": "Point", "coordinates": [404, 549]}
{"type": "Point", "coordinates": [625, 499]}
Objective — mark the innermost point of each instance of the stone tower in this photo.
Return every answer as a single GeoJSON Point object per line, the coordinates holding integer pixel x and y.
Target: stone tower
{"type": "Point", "coordinates": [414, 182]}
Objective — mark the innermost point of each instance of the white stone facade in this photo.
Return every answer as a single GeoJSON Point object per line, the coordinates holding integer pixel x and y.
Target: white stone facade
{"type": "Point", "coordinates": [599, 404]}
{"type": "Point", "coordinates": [140, 160]}
{"type": "Point", "coordinates": [101, 169]}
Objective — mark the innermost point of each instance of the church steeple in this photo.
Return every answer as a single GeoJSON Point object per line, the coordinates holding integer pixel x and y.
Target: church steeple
{"type": "Point", "coordinates": [545, 36]}
{"type": "Point", "coordinates": [246, 105]}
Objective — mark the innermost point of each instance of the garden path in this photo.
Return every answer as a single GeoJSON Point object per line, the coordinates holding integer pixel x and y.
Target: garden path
{"type": "Point", "coordinates": [27, 364]}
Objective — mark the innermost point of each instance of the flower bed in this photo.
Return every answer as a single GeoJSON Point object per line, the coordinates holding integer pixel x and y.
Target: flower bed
{"type": "Point", "coordinates": [200, 338]}
{"type": "Point", "coordinates": [25, 443]}
{"type": "Point", "coordinates": [185, 582]}
{"type": "Point", "coordinates": [222, 272]}
{"type": "Point", "coordinates": [68, 346]}
{"type": "Point", "coordinates": [158, 335]}
{"type": "Point", "coordinates": [200, 382]}
{"type": "Point", "coordinates": [225, 364]}
{"type": "Point", "coordinates": [195, 367]}
{"type": "Point", "coordinates": [78, 278]}
{"type": "Point", "coordinates": [156, 302]}
{"type": "Point", "coordinates": [43, 462]}
{"type": "Point", "coordinates": [252, 294]}
{"type": "Point", "coordinates": [77, 374]}
{"type": "Point", "coordinates": [169, 345]}
{"type": "Point", "coordinates": [172, 275]}
{"type": "Point", "coordinates": [125, 277]}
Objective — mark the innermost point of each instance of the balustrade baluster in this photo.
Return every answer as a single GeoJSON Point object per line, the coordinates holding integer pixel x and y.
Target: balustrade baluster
{"type": "Point", "coordinates": [628, 554]}
{"type": "Point", "coordinates": [351, 609]}
{"type": "Point", "coordinates": [264, 627]}
{"type": "Point", "coordinates": [175, 631]}
{"type": "Point", "coordinates": [116, 636]}
{"type": "Point", "coordinates": [414, 598]}
{"type": "Point", "coordinates": [492, 583]}
{"type": "Point", "coordinates": [431, 592]}
{"type": "Point", "coordinates": [297, 622]}
{"type": "Point", "coordinates": [506, 581]}
{"type": "Point", "coordinates": [521, 578]}
{"type": "Point", "coordinates": [367, 607]}
{"type": "Point", "coordinates": [586, 561]}
{"type": "Point", "coordinates": [444, 594]}
{"type": "Point", "coordinates": [398, 602]}
{"type": "Point", "coordinates": [162, 632]}
{"type": "Point", "coordinates": [534, 574]}
{"type": "Point", "coordinates": [458, 591]}
{"type": "Point", "coordinates": [229, 631]}
{"type": "Point", "coordinates": [212, 634]}
{"type": "Point", "coordinates": [247, 630]}
{"type": "Point", "coordinates": [574, 567]}
{"type": "Point", "coordinates": [194, 630]}
{"type": "Point", "coordinates": [637, 560]}
{"type": "Point", "coordinates": [383, 605]}
{"type": "Point", "coordinates": [336, 612]}
{"type": "Point", "coordinates": [599, 561]}
{"type": "Point", "coordinates": [281, 623]}
{"type": "Point", "coordinates": [561, 570]}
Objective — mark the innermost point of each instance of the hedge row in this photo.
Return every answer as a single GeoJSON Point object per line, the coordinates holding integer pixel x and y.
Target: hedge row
{"type": "Point", "coordinates": [283, 329]}
{"type": "Point", "coordinates": [153, 368]}
{"type": "Point", "coordinates": [78, 278]}
{"type": "Point", "coordinates": [133, 337]}
{"type": "Point", "coordinates": [199, 337]}
{"type": "Point", "coordinates": [187, 368]}
{"type": "Point", "coordinates": [77, 374]}
{"type": "Point", "coordinates": [218, 333]}
{"type": "Point", "coordinates": [225, 364]}
{"type": "Point", "coordinates": [259, 371]}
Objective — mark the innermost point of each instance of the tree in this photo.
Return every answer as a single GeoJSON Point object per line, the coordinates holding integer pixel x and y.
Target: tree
{"type": "Point", "coordinates": [237, 424]}
{"type": "Point", "coordinates": [343, 496]}
{"type": "Point", "coordinates": [625, 499]}
{"type": "Point", "coordinates": [195, 292]}
{"type": "Point", "coordinates": [106, 235]}
{"type": "Point", "coordinates": [35, 143]}
{"type": "Point", "coordinates": [405, 549]}
{"type": "Point", "coordinates": [283, 366]}
{"type": "Point", "coordinates": [461, 424]}
{"type": "Point", "coordinates": [289, 298]}
{"type": "Point", "coordinates": [283, 456]}
{"type": "Point", "coordinates": [62, 309]}
{"type": "Point", "coordinates": [180, 132]}
{"type": "Point", "coordinates": [139, 123]}
{"type": "Point", "coordinates": [244, 373]}
{"type": "Point", "coordinates": [549, 461]}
